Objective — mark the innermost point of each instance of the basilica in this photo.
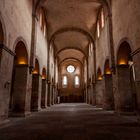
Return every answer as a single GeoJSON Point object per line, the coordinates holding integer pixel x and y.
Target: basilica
{"type": "Point", "coordinates": [69, 69]}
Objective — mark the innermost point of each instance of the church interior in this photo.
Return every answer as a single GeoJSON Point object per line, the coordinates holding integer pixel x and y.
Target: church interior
{"type": "Point", "coordinates": [69, 69]}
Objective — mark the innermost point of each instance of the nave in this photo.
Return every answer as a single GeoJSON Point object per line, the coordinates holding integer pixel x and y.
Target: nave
{"type": "Point", "coordinates": [70, 121]}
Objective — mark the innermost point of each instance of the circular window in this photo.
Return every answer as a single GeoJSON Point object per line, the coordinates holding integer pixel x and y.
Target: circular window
{"type": "Point", "coordinates": [70, 69]}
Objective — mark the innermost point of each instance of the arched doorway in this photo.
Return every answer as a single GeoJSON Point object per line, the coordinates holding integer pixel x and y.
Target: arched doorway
{"type": "Point", "coordinates": [99, 88]}
{"type": "Point", "coordinates": [125, 75]}
{"type": "Point", "coordinates": [108, 96]}
{"type": "Point", "coordinates": [35, 97]}
{"type": "Point", "coordinates": [19, 81]}
{"type": "Point", "coordinates": [43, 93]}
{"type": "Point", "coordinates": [1, 39]}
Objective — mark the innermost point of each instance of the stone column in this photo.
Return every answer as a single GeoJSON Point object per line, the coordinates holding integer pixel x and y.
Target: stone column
{"type": "Point", "coordinates": [52, 94]}
{"type": "Point", "coordinates": [94, 94]}
{"type": "Point", "coordinates": [136, 59]}
{"type": "Point", "coordinates": [108, 97]}
{"type": "Point", "coordinates": [88, 94]}
{"type": "Point", "coordinates": [43, 94]}
{"type": "Point", "coordinates": [46, 95]}
{"type": "Point", "coordinates": [36, 93]}
{"type": "Point", "coordinates": [6, 64]}
{"type": "Point", "coordinates": [55, 94]}
{"type": "Point", "coordinates": [124, 95]}
{"type": "Point", "coordinates": [49, 96]}
{"type": "Point", "coordinates": [99, 93]}
{"type": "Point", "coordinates": [19, 91]}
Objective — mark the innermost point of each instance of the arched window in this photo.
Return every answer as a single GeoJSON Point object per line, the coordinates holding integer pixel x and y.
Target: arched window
{"type": "Point", "coordinates": [89, 50]}
{"type": "Point", "coordinates": [40, 18]}
{"type": "Point", "coordinates": [45, 30]}
{"type": "Point", "coordinates": [42, 21]}
{"type": "Point", "coordinates": [102, 18]}
{"type": "Point", "coordinates": [98, 29]}
{"type": "Point", "coordinates": [65, 81]}
{"type": "Point", "coordinates": [77, 81]}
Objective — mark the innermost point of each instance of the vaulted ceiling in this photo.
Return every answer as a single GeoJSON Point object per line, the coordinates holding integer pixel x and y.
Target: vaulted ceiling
{"type": "Point", "coordinates": [71, 25]}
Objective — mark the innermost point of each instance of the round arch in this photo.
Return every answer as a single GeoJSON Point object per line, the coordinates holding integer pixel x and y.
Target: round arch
{"type": "Point", "coordinates": [70, 58]}
{"type": "Point", "coordinates": [124, 53]}
{"type": "Point", "coordinates": [22, 40]}
{"type": "Point", "coordinates": [74, 29]}
{"type": "Point", "coordinates": [70, 47]}
{"type": "Point", "coordinates": [21, 53]}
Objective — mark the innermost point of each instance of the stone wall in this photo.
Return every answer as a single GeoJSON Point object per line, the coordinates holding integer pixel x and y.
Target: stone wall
{"type": "Point", "coordinates": [16, 19]}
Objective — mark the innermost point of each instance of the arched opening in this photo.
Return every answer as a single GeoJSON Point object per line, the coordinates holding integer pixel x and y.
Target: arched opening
{"type": "Point", "coordinates": [99, 75]}
{"type": "Point", "coordinates": [126, 76]}
{"type": "Point", "coordinates": [99, 88]}
{"type": "Point", "coordinates": [35, 98]}
{"type": "Point", "coordinates": [1, 39]}
{"type": "Point", "coordinates": [108, 102]}
{"type": "Point", "coordinates": [43, 93]}
{"type": "Point", "coordinates": [19, 81]}
{"type": "Point", "coordinates": [1, 34]}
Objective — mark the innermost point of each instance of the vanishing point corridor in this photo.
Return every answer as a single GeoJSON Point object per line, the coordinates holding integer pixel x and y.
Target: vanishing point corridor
{"type": "Point", "coordinates": [72, 122]}
{"type": "Point", "coordinates": [69, 69]}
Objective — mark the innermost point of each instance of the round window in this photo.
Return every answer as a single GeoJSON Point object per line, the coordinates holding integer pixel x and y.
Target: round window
{"type": "Point", "coordinates": [70, 69]}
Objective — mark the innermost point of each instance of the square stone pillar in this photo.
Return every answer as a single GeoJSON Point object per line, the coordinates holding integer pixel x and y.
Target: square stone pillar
{"type": "Point", "coordinates": [6, 65]}
{"type": "Point", "coordinates": [99, 93]}
{"type": "Point", "coordinates": [49, 95]}
{"type": "Point", "coordinates": [36, 92]}
{"type": "Point", "coordinates": [108, 97]}
{"type": "Point", "coordinates": [19, 92]}
{"type": "Point", "coordinates": [43, 94]}
{"type": "Point", "coordinates": [93, 94]}
{"type": "Point", "coordinates": [136, 60]}
{"type": "Point", "coordinates": [124, 92]}
{"type": "Point", "coordinates": [46, 95]}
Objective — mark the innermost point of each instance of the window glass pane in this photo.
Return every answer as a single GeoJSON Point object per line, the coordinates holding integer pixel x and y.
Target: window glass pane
{"type": "Point", "coordinates": [98, 29]}
{"type": "Point", "coordinates": [65, 80]}
{"type": "Point", "coordinates": [77, 81]}
{"type": "Point", "coordinates": [102, 18]}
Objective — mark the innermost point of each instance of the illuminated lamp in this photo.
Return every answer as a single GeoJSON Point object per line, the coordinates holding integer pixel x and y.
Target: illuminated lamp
{"type": "Point", "coordinates": [35, 72]}
{"type": "Point", "coordinates": [43, 77]}
{"type": "Point", "coordinates": [108, 72]}
{"type": "Point", "coordinates": [100, 78]}
{"type": "Point", "coordinates": [122, 62]}
{"type": "Point", "coordinates": [22, 61]}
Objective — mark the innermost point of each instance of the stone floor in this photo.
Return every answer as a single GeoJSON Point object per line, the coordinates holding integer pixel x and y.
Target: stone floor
{"type": "Point", "coordinates": [71, 122]}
